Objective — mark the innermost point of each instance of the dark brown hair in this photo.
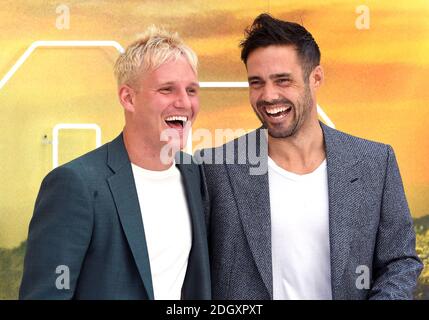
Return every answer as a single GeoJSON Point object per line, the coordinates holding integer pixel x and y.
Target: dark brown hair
{"type": "Point", "coordinates": [267, 31]}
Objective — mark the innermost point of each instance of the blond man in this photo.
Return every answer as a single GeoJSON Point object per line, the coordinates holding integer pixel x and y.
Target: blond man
{"type": "Point", "coordinates": [125, 221]}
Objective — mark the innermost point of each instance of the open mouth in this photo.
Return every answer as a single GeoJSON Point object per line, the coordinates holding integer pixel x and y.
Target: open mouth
{"type": "Point", "coordinates": [277, 112]}
{"type": "Point", "coordinates": [176, 122]}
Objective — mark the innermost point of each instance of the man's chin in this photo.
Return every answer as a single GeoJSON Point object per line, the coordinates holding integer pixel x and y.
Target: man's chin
{"type": "Point", "coordinates": [170, 149]}
{"type": "Point", "coordinates": [279, 133]}
{"type": "Point", "coordinates": [179, 144]}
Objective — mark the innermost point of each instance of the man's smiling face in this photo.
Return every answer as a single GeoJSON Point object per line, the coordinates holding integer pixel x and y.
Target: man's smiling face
{"type": "Point", "coordinates": [166, 98]}
{"type": "Point", "coordinates": [278, 93]}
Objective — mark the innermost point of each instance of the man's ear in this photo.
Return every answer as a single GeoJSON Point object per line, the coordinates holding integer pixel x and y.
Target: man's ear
{"type": "Point", "coordinates": [317, 77]}
{"type": "Point", "coordinates": [127, 97]}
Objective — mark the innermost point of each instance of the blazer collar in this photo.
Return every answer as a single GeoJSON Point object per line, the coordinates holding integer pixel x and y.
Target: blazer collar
{"type": "Point", "coordinates": [345, 193]}
{"type": "Point", "coordinates": [117, 155]}
{"type": "Point", "coordinates": [124, 193]}
{"type": "Point", "coordinates": [196, 284]}
{"type": "Point", "coordinates": [251, 193]}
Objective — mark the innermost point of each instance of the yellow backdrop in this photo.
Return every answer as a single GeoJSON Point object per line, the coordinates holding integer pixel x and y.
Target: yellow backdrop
{"type": "Point", "coordinates": [375, 79]}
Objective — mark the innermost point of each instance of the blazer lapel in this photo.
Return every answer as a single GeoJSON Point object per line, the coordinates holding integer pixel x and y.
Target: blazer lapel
{"type": "Point", "coordinates": [251, 192]}
{"type": "Point", "coordinates": [345, 193]}
{"type": "Point", "coordinates": [124, 193]}
{"type": "Point", "coordinates": [197, 280]}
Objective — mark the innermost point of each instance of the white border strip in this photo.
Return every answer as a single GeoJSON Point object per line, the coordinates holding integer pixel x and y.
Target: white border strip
{"type": "Point", "coordinates": [224, 84]}
{"type": "Point", "coordinates": [325, 117]}
{"type": "Point", "coordinates": [78, 126]}
{"type": "Point", "coordinates": [65, 43]}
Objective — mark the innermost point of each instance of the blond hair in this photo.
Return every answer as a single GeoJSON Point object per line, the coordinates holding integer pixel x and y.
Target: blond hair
{"type": "Point", "coordinates": [155, 47]}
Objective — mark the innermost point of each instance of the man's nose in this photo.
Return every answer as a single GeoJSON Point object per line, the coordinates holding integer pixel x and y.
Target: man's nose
{"type": "Point", "coordinates": [269, 92]}
{"type": "Point", "coordinates": [183, 100]}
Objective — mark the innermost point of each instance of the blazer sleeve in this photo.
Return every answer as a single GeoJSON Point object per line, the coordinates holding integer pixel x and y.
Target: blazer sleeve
{"type": "Point", "coordinates": [59, 235]}
{"type": "Point", "coordinates": [396, 265]}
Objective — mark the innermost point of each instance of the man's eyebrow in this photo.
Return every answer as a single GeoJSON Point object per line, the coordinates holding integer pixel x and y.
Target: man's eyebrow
{"type": "Point", "coordinates": [272, 76]}
{"type": "Point", "coordinates": [169, 83]}
{"type": "Point", "coordinates": [253, 78]}
{"type": "Point", "coordinates": [281, 75]}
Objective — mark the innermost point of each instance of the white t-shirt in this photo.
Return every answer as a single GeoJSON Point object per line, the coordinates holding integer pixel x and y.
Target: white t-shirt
{"type": "Point", "coordinates": [167, 227]}
{"type": "Point", "coordinates": [300, 233]}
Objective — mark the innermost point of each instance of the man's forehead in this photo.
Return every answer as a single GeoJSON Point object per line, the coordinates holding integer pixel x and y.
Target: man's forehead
{"type": "Point", "coordinates": [273, 70]}
{"type": "Point", "coordinates": [274, 75]}
{"type": "Point", "coordinates": [171, 77]}
{"type": "Point", "coordinates": [288, 52]}
{"type": "Point", "coordinates": [189, 82]}
{"type": "Point", "coordinates": [170, 66]}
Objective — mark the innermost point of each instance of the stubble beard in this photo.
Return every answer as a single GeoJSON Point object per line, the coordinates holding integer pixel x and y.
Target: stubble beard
{"type": "Point", "coordinates": [304, 103]}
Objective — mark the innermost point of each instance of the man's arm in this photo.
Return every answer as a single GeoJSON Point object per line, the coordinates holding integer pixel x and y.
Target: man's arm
{"type": "Point", "coordinates": [396, 264]}
{"type": "Point", "coordinates": [59, 235]}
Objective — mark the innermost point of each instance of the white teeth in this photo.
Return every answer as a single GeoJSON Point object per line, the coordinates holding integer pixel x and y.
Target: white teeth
{"type": "Point", "coordinates": [275, 110]}
{"type": "Point", "coordinates": [177, 118]}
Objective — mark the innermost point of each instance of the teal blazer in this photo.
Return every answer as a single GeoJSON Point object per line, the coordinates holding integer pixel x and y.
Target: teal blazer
{"type": "Point", "coordinates": [86, 238]}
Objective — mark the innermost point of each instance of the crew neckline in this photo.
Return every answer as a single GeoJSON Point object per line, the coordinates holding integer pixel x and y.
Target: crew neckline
{"type": "Point", "coordinates": [296, 176]}
{"type": "Point", "coordinates": [155, 174]}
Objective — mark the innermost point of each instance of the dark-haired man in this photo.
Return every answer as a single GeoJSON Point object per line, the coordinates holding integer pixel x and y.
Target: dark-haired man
{"type": "Point", "coordinates": [328, 218]}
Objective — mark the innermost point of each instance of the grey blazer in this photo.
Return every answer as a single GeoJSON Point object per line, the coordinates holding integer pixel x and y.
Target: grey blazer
{"type": "Point", "coordinates": [87, 217]}
{"type": "Point", "coordinates": [369, 221]}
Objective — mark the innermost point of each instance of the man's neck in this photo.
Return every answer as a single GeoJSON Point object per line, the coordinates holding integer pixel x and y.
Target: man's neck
{"type": "Point", "coordinates": [144, 154]}
{"type": "Point", "coordinates": [301, 153]}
